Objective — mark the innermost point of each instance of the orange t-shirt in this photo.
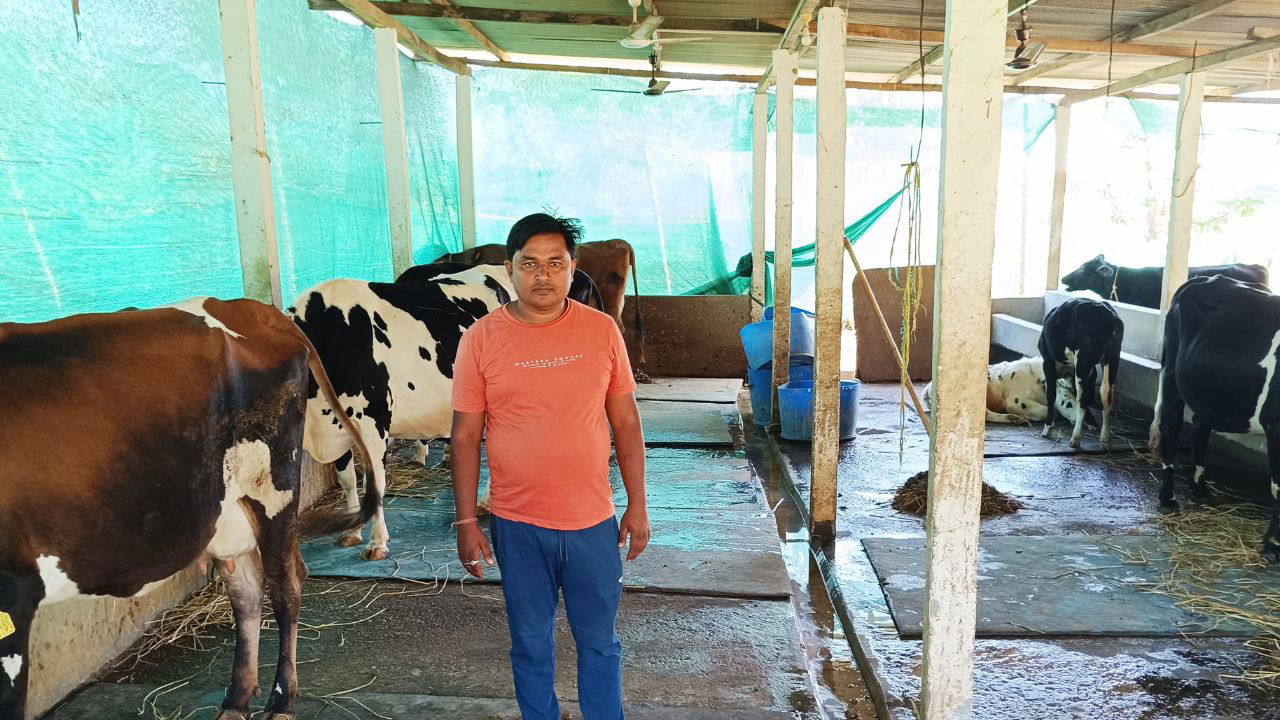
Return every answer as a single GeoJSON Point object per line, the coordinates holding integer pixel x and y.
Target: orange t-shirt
{"type": "Point", "coordinates": [543, 388]}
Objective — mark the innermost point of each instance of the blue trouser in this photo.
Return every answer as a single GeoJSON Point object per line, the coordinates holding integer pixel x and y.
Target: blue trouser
{"type": "Point", "coordinates": [536, 564]}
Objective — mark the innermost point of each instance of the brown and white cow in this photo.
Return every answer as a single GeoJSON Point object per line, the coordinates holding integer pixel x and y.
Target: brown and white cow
{"type": "Point", "coordinates": [188, 426]}
{"type": "Point", "coordinates": [606, 262]}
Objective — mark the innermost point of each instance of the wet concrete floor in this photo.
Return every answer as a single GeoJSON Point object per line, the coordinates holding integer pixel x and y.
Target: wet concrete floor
{"type": "Point", "coordinates": [400, 649]}
{"type": "Point", "coordinates": [1083, 677]}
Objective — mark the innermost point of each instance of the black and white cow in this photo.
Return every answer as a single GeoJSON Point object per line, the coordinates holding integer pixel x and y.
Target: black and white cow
{"type": "Point", "coordinates": [1076, 337]}
{"type": "Point", "coordinates": [1015, 393]}
{"type": "Point", "coordinates": [1221, 350]}
{"type": "Point", "coordinates": [188, 425]}
{"type": "Point", "coordinates": [583, 288]}
{"type": "Point", "coordinates": [1141, 286]}
{"type": "Point", "coordinates": [389, 349]}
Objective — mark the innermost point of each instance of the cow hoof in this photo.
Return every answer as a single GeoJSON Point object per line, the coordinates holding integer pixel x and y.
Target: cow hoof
{"type": "Point", "coordinates": [375, 553]}
{"type": "Point", "coordinates": [1206, 499]}
{"type": "Point", "coordinates": [1075, 443]}
{"type": "Point", "coordinates": [348, 541]}
{"type": "Point", "coordinates": [1047, 429]}
{"type": "Point", "coordinates": [1106, 445]}
{"type": "Point", "coordinates": [1168, 508]}
{"type": "Point", "coordinates": [1271, 553]}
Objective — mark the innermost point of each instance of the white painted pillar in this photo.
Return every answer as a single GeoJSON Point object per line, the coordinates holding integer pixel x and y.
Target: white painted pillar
{"type": "Point", "coordinates": [759, 166]}
{"type": "Point", "coordinates": [466, 161]}
{"type": "Point", "coordinates": [1182, 204]}
{"type": "Point", "coordinates": [1062, 136]}
{"type": "Point", "coordinates": [250, 165]}
{"type": "Point", "coordinates": [395, 147]}
{"type": "Point", "coordinates": [785, 66]}
{"type": "Point", "coordinates": [972, 78]}
{"type": "Point", "coordinates": [832, 119]}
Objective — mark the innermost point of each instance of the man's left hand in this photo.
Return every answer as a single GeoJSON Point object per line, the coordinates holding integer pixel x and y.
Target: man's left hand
{"type": "Point", "coordinates": [635, 522]}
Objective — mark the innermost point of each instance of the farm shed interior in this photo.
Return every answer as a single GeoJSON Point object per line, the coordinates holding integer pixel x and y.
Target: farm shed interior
{"type": "Point", "coordinates": [122, 190]}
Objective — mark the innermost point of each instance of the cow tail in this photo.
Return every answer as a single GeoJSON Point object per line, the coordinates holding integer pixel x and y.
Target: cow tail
{"type": "Point", "coordinates": [635, 282]}
{"type": "Point", "coordinates": [325, 522]}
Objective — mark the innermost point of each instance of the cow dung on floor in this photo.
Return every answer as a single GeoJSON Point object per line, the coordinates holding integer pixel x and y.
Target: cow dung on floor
{"type": "Point", "coordinates": [913, 498]}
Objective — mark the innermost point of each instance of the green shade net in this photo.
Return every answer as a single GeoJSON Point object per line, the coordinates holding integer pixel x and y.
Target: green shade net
{"type": "Point", "coordinates": [115, 155]}
{"type": "Point", "coordinates": [738, 282]}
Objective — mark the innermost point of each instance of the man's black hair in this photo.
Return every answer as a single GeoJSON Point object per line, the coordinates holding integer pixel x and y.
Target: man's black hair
{"type": "Point", "coordinates": [542, 223]}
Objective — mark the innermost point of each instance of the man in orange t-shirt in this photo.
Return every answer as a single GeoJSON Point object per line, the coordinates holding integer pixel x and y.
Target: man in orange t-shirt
{"type": "Point", "coordinates": [543, 379]}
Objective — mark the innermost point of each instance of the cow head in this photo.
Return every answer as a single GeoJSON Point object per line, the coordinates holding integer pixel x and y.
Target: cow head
{"type": "Point", "coordinates": [1097, 275]}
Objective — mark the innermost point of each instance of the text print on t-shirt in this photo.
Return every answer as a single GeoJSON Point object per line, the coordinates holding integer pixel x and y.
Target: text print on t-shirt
{"type": "Point", "coordinates": [549, 362]}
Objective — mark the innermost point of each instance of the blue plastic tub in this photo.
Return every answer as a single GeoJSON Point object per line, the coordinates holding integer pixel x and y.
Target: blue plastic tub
{"type": "Point", "coordinates": [759, 380]}
{"type": "Point", "coordinates": [757, 338]}
{"type": "Point", "coordinates": [795, 408]}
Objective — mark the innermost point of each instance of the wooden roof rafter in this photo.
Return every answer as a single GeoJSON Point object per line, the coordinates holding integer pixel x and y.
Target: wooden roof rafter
{"type": "Point", "coordinates": [470, 28]}
{"type": "Point", "coordinates": [800, 18]}
{"type": "Point", "coordinates": [375, 18]}
{"type": "Point", "coordinates": [539, 17]}
{"type": "Point", "coordinates": [1181, 67]}
{"type": "Point", "coordinates": [1164, 23]}
{"type": "Point", "coordinates": [934, 55]}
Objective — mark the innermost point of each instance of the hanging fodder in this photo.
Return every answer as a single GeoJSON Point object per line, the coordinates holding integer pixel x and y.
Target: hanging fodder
{"type": "Point", "coordinates": [913, 498]}
{"type": "Point", "coordinates": [1216, 570]}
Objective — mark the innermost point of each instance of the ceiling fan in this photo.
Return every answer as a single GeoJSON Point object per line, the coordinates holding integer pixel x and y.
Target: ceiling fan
{"type": "Point", "coordinates": [656, 86]}
{"type": "Point", "coordinates": [643, 33]}
{"type": "Point", "coordinates": [1028, 52]}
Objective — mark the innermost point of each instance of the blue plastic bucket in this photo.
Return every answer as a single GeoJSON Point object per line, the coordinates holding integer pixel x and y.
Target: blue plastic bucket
{"type": "Point", "coordinates": [757, 338]}
{"type": "Point", "coordinates": [760, 380]}
{"type": "Point", "coordinates": [795, 408]}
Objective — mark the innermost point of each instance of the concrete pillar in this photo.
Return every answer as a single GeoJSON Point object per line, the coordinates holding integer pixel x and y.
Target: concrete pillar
{"type": "Point", "coordinates": [1062, 136]}
{"type": "Point", "coordinates": [395, 148]}
{"type": "Point", "coordinates": [466, 162]}
{"type": "Point", "coordinates": [250, 165]}
{"type": "Point", "coordinates": [1182, 204]}
{"type": "Point", "coordinates": [759, 164]}
{"type": "Point", "coordinates": [785, 66]}
{"type": "Point", "coordinates": [832, 119]}
{"type": "Point", "coordinates": [972, 78]}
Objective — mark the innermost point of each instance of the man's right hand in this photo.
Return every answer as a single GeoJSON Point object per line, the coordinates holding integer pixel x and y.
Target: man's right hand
{"type": "Point", "coordinates": [473, 549]}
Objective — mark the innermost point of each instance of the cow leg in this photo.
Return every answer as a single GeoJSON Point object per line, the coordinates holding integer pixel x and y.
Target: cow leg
{"type": "Point", "coordinates": [1171, 408]}
{"type": "Point", "coordinates": [1050, 393]}
{"type": "Point", "coordinates": [286, 572]}
{"type": "Point", "coordinates": [378, 539]}
{"type": "Point", "coordinates": [1078, 431]}
{"type": "Point", "coordinates": [1199, 446]}
{"type": "Point", "coordinates": [20, 593]}
{"type": "Point", "coordinates": [421, 451]}
{"type": "Point", "coordinates": [1271, 541]}
{"type": "Point", "coordinates": [243, 577]}
{"type": "Point", "coordinates": [1108, 390]}
{"type": "Point", "coordinates": [346, 469]}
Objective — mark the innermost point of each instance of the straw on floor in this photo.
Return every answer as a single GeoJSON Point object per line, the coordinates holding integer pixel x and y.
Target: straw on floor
{"type": "Point", "coordinates": [913, 498]}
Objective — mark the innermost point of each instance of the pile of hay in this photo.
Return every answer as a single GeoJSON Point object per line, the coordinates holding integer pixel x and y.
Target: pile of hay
{"type": "Point", "coordinates": [408, 479]}
{"type": "Point", "coordinates": [1216, 570]}
{"type": "Point", "coordinates": [913, 498]}
{"type": "Point", "coordinates": [186, 626]}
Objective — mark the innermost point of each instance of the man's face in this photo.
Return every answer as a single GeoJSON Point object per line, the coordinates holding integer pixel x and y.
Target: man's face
{"type": "Point", "coordinates": [542, 272]}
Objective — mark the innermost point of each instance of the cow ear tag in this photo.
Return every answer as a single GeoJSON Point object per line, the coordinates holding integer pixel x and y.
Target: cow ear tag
{"type": "Point", "coordinates": [6, 626]}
